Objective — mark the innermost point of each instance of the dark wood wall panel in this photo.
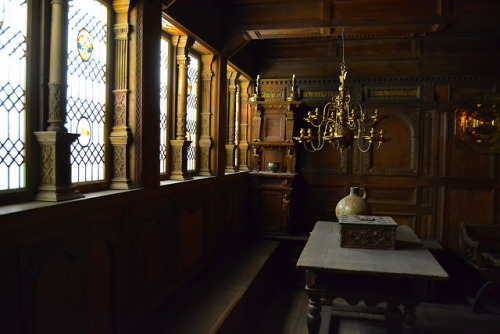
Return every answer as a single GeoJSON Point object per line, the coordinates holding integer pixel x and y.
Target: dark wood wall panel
{"type": "Point", "coordinates": [470, 165]}
{"type": "Point", "coordinates": [399, 156]}
{"type": "Point", "coordinates": [102, 264]}
{"type": "Point", "coordinates": [426, 227]}
{"type": "Point", "coordinates": [393, 195]}
{"type": "Point", "coordinates": [422, 177]}
{"type": "Point", "coordinates": [469, 205]}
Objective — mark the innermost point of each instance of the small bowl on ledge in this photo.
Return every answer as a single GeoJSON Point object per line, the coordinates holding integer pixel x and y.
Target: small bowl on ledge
{"type": "Point", "coordinates": [274, 166]}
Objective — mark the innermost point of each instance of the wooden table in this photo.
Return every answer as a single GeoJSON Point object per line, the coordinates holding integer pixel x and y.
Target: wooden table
{"type": "Point", "coordinates": [398, 277]}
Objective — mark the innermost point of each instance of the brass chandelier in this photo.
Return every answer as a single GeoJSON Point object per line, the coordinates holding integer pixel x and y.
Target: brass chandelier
{"type": "Point", "coordinates": [342, 122]}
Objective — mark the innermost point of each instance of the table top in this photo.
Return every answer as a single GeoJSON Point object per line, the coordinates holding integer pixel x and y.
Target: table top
{"type": "Point", "coordinates": [410, 258]}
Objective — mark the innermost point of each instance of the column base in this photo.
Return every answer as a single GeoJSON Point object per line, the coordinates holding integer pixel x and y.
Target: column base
{"type": "Point", "coordinates": [55, 171]}
{"type": "Point", "coordinates": [57, 194]}
{"type": "Point", "coordinates": [120, 183]}
{"type": "Point", "coordinates": [230, 165]}
{"type": "Point", "coordinates": [179, 161]}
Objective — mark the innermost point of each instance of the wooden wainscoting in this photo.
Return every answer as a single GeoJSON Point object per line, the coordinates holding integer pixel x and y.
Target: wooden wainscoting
{"type": "Point", "coordinates": [101, 264]}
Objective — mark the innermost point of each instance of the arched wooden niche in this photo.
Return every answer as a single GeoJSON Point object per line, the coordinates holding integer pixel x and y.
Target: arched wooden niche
{"type": "Point", "coordinates": [398, 156]}
{"type": "Point", "coordinates": [477, 124]}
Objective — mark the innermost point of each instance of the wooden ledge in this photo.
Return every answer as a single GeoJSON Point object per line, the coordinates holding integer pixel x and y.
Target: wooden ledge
{"type": "Point", "coordinates": [208, 303]}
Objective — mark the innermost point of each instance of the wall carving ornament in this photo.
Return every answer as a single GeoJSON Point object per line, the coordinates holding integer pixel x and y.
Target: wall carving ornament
{"type": "Point", "coordinates": [48, 155]}
{"type": "Point", "coordinates": [57, 109]}
{"type": "Point", "coordinates": [477, 124]}
{"type": "Point", "coordinates": [412, 119]}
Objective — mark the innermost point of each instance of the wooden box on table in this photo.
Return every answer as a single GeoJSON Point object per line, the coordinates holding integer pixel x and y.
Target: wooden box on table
{"type": "Point", "coordinates": [375, 232]}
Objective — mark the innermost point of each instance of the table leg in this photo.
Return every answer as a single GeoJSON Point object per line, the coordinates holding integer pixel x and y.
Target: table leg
{"type": "Point", "coordinates": [393, 318]}
{"type": "Point", "coordinates": [314, 315]}
{"type": "Point", "coordinates": [410, 318]}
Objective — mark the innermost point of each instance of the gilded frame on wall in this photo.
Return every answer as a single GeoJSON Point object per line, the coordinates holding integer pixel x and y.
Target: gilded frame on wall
{"type": "Point", "coordinates": [477, 123]}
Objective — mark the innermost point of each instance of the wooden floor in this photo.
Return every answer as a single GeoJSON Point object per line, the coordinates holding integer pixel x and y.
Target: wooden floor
{"type": "Point", "coordinates": [287, 312]}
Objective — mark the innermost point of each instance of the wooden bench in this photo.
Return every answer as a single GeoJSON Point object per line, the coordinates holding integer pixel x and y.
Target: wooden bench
{"type": "Point", "coordinates": [223, 298]}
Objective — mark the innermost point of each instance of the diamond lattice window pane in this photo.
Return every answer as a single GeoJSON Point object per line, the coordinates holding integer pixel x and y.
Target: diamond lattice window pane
{"type": "Point", "coordinates": [87, 52]}
{"type": "Point", "coordinates": [192, 111]}
{"type": "Point", "coordinates": [164, 48]}
{"type": "Point", "coordinates": [13, 30]}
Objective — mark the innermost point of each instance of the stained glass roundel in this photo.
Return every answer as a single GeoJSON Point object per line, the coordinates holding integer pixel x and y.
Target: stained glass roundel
{"type": "Point", "coordinates": [84, 44]}
{"type": "Point", "coordinates": [84, 130]}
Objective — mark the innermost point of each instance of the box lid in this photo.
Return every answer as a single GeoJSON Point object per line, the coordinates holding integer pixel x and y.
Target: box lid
{"type": "Point", "coordinates": [382, 221]}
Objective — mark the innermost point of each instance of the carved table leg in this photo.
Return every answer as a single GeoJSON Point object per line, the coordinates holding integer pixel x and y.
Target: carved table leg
{"type": "Point", "coordinates": [314, 315]}
{"type": "Point", "coordinates": [393, 318]}
{"type": "Point", "coordinates": [410, 317]}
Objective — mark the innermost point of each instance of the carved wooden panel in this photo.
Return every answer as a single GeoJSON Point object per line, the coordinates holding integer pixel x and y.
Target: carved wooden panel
{"type": "Point", "coordinates": [394, 195]}
{"type": "Point", "coordinates": [73, 268]}
{"type": "Point", "coordinates": [73, 290]}
{"type": "Point", "coordinates": [150, 257]}
{"type": "Point", "coordinates": [408, 219]}
{"type": "Point", "coordinates": [467, 164]}
{"type": "Point", "coordinates": [273, 129]}
{"type": "Point", "coordinates": [273, 202]}
{"type": "Point", "coordinates": [328, 161]}
{"type": "Point", "coordinates": [400, 155]}
{"type": "Point", "coordinates": [100, 282]}
{"type": "Point", "coordinates": [190, 236]}
{"type": "Point", "coordinates": [461, 91]}
{"type": "Point", "coordinates": [61, 288]}
{"type": "Point", "coordinates": [429, 136]}
{"type": "Point", "coordinates": [270, 202]}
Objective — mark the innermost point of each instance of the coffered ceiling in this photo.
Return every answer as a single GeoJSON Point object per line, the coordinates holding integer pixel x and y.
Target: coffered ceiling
{"type": "Point", "coordinates": [360, 19]}
{"type": "Point", "coordinates": [311, 28]}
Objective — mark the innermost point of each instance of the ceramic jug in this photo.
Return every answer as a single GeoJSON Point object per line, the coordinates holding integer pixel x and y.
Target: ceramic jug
{"type": "Point", "coordinates": [353, 204]}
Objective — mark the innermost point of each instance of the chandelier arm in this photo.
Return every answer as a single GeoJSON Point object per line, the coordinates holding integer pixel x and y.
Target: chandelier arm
{"type": "Point", "coordinates": [328, 109]}
{"type": "Point", "coordinates": [378, 146]}
{"type": "Point", "coordinates": [361, 127]}
{"type": "Point", "coordinates": [360, 147]}
{"type": "Point", "coordinates": [312, 150]}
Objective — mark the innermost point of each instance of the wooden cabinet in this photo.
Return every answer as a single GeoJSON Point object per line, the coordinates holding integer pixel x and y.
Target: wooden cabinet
{"type": "Point", "coordinates": [272, 198]}
{"type": "Point", "coordinates": [273, 125]}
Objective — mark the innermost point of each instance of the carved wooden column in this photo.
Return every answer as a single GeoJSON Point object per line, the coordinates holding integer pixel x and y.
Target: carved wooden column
{"type": "Point", "coordinates": [232, 76]}
{"type": "Point", "coordinates": [180, 144]}
{"type": "Point", "coordinates": [55, 143]}
{"type": "Point", "coordinates": [120, 133]}
{"type": "Point", "coordinates": [144, 95]}
{"type": "Point", "coordinates": [205, 141]}
{"type": "Point", "coordinates": [244, 115]}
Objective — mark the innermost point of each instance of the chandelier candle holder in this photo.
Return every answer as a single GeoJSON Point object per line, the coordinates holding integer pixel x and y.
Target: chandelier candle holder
{"type": "Point", "coordinates": [342, 122]}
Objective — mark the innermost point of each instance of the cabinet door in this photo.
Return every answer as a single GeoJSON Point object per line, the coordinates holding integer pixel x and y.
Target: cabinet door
{"type": "Point", "coordinates": [273, 211]}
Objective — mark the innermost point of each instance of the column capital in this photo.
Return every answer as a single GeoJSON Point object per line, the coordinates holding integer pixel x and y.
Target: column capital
{"type": "Point", "coordinates": [121, 6]}
{"type": "Point", "coordinates": [232, 74]}
{"type": "Point", "coordinates": [182, 43]}
{"type": "Point", "coordinates": [121, 31]}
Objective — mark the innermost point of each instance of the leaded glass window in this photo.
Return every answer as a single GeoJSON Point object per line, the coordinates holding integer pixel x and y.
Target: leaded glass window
{"type": "Point", "coordinates": [13, 30]}
{"type": "Point", "coordinates": [192, 111]}
{"type": "Point", "coordinates": [164, 68]}
{"type": "Point", "coordinates": [87, 52]}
